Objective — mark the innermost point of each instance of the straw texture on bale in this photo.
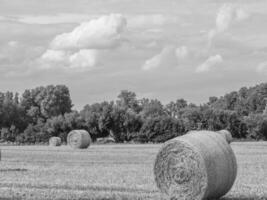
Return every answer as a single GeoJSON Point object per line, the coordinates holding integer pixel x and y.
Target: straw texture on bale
{"type": "Point", "coordinates": [79, 139]}
{"type": "Point", "coordinates": [55, 141]}
{"type": "Point", "coordinates": [196, 166]}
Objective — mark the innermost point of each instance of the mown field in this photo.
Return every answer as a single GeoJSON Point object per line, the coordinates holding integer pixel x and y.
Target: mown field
{"type": "Point", "coordinates": [110, 172]}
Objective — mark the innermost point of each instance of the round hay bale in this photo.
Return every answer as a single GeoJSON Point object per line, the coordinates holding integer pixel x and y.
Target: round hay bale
{"type": "Point", "coordinates": [198, 165]}
{"type": "Point", "coordinates": [55, 141]}
{"type": "Point", "coordinates": [227, 135]}
{"type": "Point", "coordinates": [79, 139]}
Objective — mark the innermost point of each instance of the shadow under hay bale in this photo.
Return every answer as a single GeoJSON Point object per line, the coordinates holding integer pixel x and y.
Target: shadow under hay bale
{"type": "Point", "coordinates": [245, 198]}
{"type": "Point", "coordinates": [199, 165]}
{"type": "Point", "coordinates": [13, 170]}
{"type": "Point", "coordinates": [79, 139]}
{"type": "Point", "coordinates": [55, 141]}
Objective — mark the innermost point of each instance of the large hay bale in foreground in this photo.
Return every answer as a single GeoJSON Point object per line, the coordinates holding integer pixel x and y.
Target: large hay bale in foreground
{"type": "Point", "coordinates": [55, 141]}
{"type": "Point", "coordinates": [198, 165]}
{"type": "Point", "coordinates": [79, 139]}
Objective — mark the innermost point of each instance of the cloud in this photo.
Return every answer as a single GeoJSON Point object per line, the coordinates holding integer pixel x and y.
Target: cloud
{"type": "Point", "coordinates": [54, 19]}
{"type": "Point", "coordinates": [153, 62]}
{"type": "Point", "coordinates": [13, 43]}
{"type": "Point", "coordinates": [54, 55]}
{"type": "Point", "coordinates": [85, 58]}
{"type": "Point", "coordinates": [150, 20]}
{"type": "Point", "coordinates": [15, 53]}
{"type": "Point", "coordinates": [134, 20]}
{"type": "Point", "coordinates": [227, 15]}
{"type": "Point", "coordinates": [168, 57]}
{"type": "Point", "coordinates": [81, 48]}
{"type": "Point", "coordinates": [153, 44]}
{"type": "Point", "coordinates": [262, 67]}
{"type": "Point", "coordinates": [159, 59]}
{"type": "Point", "coordinates": [102, 33]}
{"type": "Point", "coordinates": [209, 63]}
{"type": "Point", "coordinates": [181, 52]}
{"type": "Point", "coordinates": [17, 58]}
{"type": "Point", "coordinates": [241, 14]}
{"type": "Point", "coordinates": [59, 18]}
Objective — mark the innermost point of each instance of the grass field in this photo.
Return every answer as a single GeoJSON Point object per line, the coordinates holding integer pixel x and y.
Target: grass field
{"type": "Point", "coordinates": [110, 172]}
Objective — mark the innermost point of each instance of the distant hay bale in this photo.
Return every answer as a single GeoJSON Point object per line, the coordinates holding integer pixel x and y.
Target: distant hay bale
{"type": "Point", "coordinates": [55, 141]}
{"type": "Point", "coordinates": [79, 139]}
{"type": "Point", "coordinates": [198, 165]}
{"type": "Point", "coordinates": [227, 135]}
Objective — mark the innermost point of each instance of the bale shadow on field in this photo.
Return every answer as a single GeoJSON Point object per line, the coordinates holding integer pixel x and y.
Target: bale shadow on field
{"type": "Point", "coordinates": [245, 198]}
{"type": "Point", "coordinates": [80, 187]}
{"type": "Point", "coordinates": [13, 170]}
{"type": "Point", "coordinates": [110, 198]}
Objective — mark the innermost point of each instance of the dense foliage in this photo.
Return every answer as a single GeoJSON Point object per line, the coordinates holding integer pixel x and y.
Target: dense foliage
{"type": "Point", "coordinates": [43, 112]}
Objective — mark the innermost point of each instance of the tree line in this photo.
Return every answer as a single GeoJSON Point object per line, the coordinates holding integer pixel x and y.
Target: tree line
{"type": "Point", "coordinates": [43, 112]}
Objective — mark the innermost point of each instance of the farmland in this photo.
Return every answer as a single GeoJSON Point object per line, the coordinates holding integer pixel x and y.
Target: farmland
{"type": "Point", "coordinates": [117, 171]}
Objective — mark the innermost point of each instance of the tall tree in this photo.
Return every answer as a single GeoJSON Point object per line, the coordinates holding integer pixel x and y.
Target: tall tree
{"type": "Point", "coordinates": [152, 108]}
{"type": "Point", "coordinates": [46, 102]}
{"type": "Point", "coordinates": [128, 100]}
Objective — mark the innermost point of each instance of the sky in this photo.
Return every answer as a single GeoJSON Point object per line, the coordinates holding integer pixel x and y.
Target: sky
{"type": "Point", "coordinates": [170, 49]}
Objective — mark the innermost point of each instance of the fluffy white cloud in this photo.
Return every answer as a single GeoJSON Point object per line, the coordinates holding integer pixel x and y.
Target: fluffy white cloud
{"type": "Point", "coordinates": [227, 15]}
{"type": "Point", "coordinates": [79, 49]}
{"type": "Point", "coordinates": [153, 62]}
{"type": "Point", "coordinates": [54, 55]}
{"type": "Point", "coordinates": [209, 63]}
{"type": "Point", "coordinates": [262, 67]}
{"type": "Point", "coordinates": [102, 33]}
{"type": "Point", "coordinates": [85, 58]}
{"type": "Point", "coordinates": [159, 59]}
{"type": "Point", "coordinates": [168, 57]}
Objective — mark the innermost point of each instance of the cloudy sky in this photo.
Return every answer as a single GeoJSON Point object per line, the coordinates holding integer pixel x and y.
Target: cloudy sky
{"type": "Point", "coordinates": [167, 49]}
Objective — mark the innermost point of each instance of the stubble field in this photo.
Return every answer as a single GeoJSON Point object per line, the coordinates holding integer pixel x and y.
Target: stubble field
{"type": "Point", "coordinates": [123, 172]}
